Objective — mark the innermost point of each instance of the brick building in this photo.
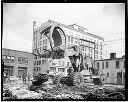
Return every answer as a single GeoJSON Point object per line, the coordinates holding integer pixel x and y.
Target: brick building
{"type": "Point", "coordinates": [16, 62]}
{"type": "Point", "coordinates": [114, 68]}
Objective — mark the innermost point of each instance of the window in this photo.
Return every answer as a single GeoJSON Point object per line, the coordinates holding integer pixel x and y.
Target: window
{"type": "Point", "coordinates": [19, 60]}
{"type": "Point", "coordinates": [96, 57]}
{"type": "Point", "coordinates": [107, 74]}
{"type": "Point", "coordinates": [101, 52]}
{"type": "Point", "coordinates": [39, 62]}
{"type": "Point", "coordinates": [35, 63]}
{"type": "Point", "coordinates": [46, 41]}
{"type": "Point", "coordinates": [39, 69]}
{"type": "Point", "coordinates": [8, 57]}
{"type": "Point", "coordinates": [40, 49]}
{"type": "Point", "coordinates": [76, 41]}
{"type": "Point", "coordinates": [42, 62]}
{"type": "Point", "coordinates": [72, 40]}
{"type": "Point", "coordinates": [68, 38]}
{"type": "Point", "coordinates": [98, 64]}
{"type": "Point", "coordinates": [33, 39]}
{"type": "Point", "coordinates": [4, 57]}
{"type": "Point", "coordinates": [61, 69]}
{"type": "Point", "coordinates": [40, 42]}
{"type": "Point", "coordinates": [96, 51]}
{"type": "Point", "coordinates": [124, 64]}
{"type": "Point", "coordinates": [103, 65]}
{"type": "Point", "coordinates": [119, 74]}
{"type": "Point", "coordinates": [83, 48]}
{"type": "Point", "coordinates": [43, 41]}
{"type": "Point", "coordinates": [91, 51]}
{"type": "Point", "coordinates": [106, 64]}
{"type": "Point", "coordinates": [67, 63]}
{"type": "Point", "coordinates": [8, 70]}
{"type": "Point", "coordinates": [101, 47]}
{"type": "Point", "coordinates": [117, 64]}
{"type": "Point", "coordinates": [26, 60]}
{"type": "Point", "coordinates": [60, 63]}
{"type": "Point", "coordinates": [63, 63]}
{"type": "Point", "coordinates": [12, 57]}
{"type": "Point", "coordinates": [52, 69]}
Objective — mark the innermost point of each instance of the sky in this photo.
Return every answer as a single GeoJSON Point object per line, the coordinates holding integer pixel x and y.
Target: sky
{"type": "Point", "coordinates": [102, 19]}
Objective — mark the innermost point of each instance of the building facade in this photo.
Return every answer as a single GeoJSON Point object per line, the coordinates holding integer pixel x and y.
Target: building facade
{"type": "Point", "coordinates": [114, 68]}
{"type": "Point", "coordinates": [75, 35]}
{"type": "Point", "coordinates": [16, 62]}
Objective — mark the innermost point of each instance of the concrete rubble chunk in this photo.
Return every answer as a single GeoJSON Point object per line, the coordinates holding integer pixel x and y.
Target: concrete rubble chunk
{"type": "Point", "coordinates": [19, 90]}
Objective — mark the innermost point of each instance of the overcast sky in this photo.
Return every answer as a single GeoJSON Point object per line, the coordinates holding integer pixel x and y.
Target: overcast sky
{"type": "Point", "coordinates": [105, 20]}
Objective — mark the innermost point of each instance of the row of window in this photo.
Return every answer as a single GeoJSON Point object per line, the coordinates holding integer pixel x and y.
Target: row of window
{"type": "Point", "coordinates": [61, 69]}
{"type": "Point", "coordinates": [40, 49]}
{"type": "Point", "coordinates": [8, 70]}
{"type": "Point", "coordinates": [53, 69]}
{"type": "Point", "coordinates": [77, 41]}
{"type": "Point", "coordinates": [36, 70]}
{"type": "Point", "coordinates": [45, 41]}
{"type": "Point", "coordinates": [119, 74]}
{"type": "Point", "coordinates": [61, 63]}
{"type": "Point", "coordinates": [39, 62]}
{"type": "Point", "coordinates": [107, 64]}
{"type": "Point", "coordinates": [8, 59]}
{"type": "Point", "coordinates": [22, 60]}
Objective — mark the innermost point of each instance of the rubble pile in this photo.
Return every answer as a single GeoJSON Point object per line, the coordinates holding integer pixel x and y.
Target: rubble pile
{"type": "Point", "coordinates": [47, 91]}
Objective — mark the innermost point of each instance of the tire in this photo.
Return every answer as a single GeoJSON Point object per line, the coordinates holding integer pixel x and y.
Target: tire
{"type": "Point", "coordinates": [56, 79]}
{"type": "Point", "coordinates": [77, 79]}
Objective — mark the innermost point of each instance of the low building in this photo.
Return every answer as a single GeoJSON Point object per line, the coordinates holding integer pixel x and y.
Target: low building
{"type": "Point", "coordinates": [16, 62]}
{"type": "Point", "coordinates": [114, 68]}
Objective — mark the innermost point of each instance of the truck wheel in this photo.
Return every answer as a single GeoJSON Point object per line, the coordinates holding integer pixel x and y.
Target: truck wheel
{"type": "Point", "coordinates": [56, 79]}
{"type": "Point", "coordinates": [77, 79]}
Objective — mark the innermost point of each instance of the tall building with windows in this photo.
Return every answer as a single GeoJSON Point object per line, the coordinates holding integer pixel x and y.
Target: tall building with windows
{"type": "Point", "coordinates": [75, 35]}
{"type": "Point", "coordinates": [114, 68]}
{"type": "Point", "coordinates": [16, 62]}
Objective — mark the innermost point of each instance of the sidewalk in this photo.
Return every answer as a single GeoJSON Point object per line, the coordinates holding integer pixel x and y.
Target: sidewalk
{"type": "Point", "coordinates": [108, 85]}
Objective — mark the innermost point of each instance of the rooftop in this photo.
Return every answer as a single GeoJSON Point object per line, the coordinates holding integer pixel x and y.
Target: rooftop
{"type": "Point", "coordinates": [111, 59]}
{"type": "Point", "coordinates": [72, 28]}
{"type": "Point", "coordinates": [17, 51]}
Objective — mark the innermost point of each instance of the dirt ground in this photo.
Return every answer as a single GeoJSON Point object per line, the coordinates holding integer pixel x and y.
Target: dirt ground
{"type": "Point", "coordinates": [47, 91]}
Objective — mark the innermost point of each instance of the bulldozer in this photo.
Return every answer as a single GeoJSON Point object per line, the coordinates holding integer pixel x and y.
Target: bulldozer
{"type": "Point", "coordinates": [80, 70]}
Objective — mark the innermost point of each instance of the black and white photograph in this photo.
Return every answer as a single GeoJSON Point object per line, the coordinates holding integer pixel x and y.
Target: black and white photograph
{"type": "Point", "coordinates": [63, 51]}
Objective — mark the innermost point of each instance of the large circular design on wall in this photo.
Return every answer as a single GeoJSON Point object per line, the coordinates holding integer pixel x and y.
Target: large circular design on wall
{"type": "Point", "coordinates": [57, 37]}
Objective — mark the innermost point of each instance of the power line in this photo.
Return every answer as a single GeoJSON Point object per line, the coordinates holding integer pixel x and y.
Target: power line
{"type": "Point", "coordinates": [115, 40]}
{"type": "Point", "coordinates": [114, 33]}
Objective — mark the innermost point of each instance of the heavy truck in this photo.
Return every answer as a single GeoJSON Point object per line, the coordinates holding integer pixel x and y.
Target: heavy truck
{"type": "Point", "coordinates": [77, 76]}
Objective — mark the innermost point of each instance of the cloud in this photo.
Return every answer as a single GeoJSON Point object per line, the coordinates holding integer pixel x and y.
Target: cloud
{"type": "Point", "coordinates": [100, 19]}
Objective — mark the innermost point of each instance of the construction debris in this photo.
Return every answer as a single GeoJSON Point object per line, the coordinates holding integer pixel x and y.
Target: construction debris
{"type": "Point", "coordinates": [47, 91]}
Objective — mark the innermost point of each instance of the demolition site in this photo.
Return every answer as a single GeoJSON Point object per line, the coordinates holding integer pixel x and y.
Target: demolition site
{"type": "Point", "coordinates": [65, 64]}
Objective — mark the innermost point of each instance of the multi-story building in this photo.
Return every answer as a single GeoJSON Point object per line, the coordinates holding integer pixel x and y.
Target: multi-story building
{"type": "Point", "coordinates": [17, 62]}
{"type": "Point", "coordinates": [75, 35]}
{"type": "Point", "coordinates": [114, 68]}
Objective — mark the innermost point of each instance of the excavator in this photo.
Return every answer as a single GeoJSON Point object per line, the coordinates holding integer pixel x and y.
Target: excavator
{"type": "Point", "coordinates": [80, 63]}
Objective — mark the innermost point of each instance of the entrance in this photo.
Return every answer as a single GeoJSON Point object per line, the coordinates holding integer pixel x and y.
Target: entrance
{"type": "Point", "coordinates": [22, 70]}
{"type": "Point", "coordinates": [8, 70]}
{"type": "Point", "coordinates": [119, 78]}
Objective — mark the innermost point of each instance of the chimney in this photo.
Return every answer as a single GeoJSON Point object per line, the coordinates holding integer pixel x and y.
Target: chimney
{"type": "Point", "coordinates": [112, 55]}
